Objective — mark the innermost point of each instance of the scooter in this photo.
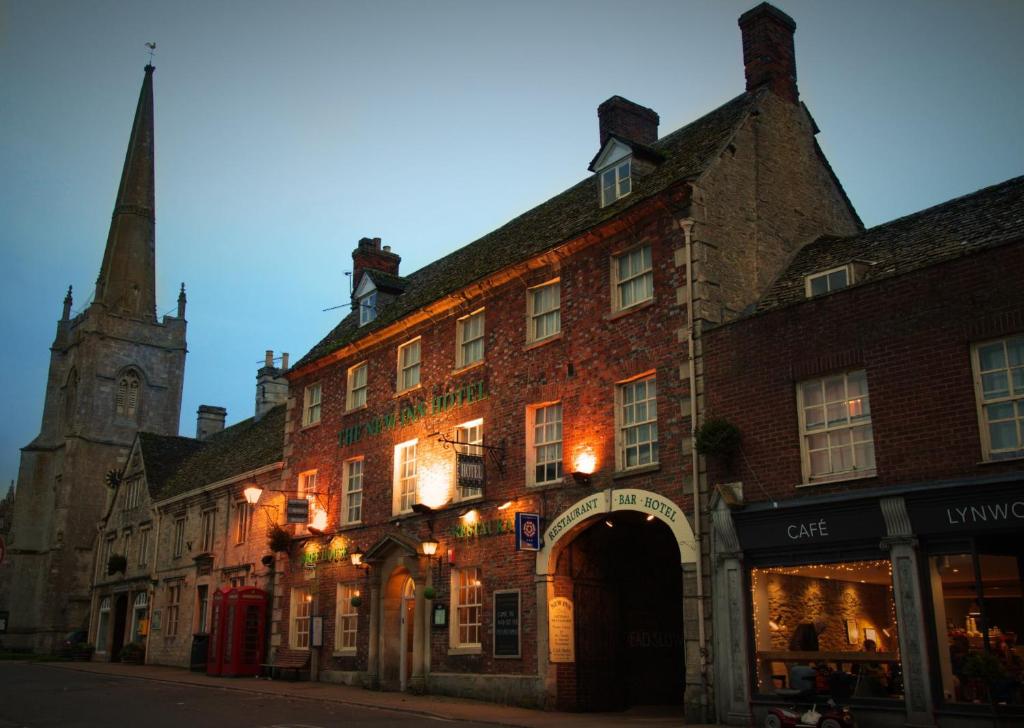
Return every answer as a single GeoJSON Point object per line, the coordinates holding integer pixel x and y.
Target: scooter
{"type": "Point", "coordinates": [809, 683]}
{"type": "Point", "coordinates": [832, 716]}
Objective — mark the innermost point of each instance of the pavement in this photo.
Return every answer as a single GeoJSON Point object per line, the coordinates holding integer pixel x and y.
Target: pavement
{"type": "Point", "coordinates": [435, 706]}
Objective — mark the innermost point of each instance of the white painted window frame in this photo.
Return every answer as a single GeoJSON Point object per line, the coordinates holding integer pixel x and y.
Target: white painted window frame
{"type": "Point", "coordinates": [406, 484]}
{"type": "Point", "coordinates": [353, 493]}
{"type": "Point", "coordinates": [623, 427]}
{"type": "Point", "coordinates": [356, 393]}
{"type": "Point", "coordinates": [462, 343]}
{"type": "Point", "coordinates": [852, 423]}
{"type": "Point", "coordinates": [534, 445]}
{"type": "Point", "coordinates": [312, 404]}
{"type": "Point", "coordinates": [1014, 397]}
{"type": "Point", "coordinates": [409, 370]}
{"type": "Point", "coordinates": [535, 315]}
{"type": "Point", "coordinates": [620, 283]}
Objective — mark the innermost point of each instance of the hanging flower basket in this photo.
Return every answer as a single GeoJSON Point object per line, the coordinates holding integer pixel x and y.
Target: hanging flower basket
{"type": "Point", "coordinates": [280, 541]}
{"type": "Point", "coordinates": [718, 438]}
{"type": "Point", "coordinates": [429, 592]}
{"type": "Point", "coordinates": [356, 602]}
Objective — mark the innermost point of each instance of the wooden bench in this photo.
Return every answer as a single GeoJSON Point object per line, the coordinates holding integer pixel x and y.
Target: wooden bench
{"type": "Point", "coordinates": [287, 662]}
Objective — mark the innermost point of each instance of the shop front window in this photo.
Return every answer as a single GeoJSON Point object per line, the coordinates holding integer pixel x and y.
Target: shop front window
{"type": "Point", "coordinates": [827, 630]}
{"type": "Point", "coordinates": [979, 620]}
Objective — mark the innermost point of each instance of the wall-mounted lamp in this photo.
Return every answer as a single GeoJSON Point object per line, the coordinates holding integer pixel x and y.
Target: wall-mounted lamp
{"type": "Point", "coordinates": [252, 494]}
{"type": "Point", "coordinates": [505, 506]}
{"type": "Point", "coordinates": [429, 547]}
{"type": "Point", "coordinates": [584, 465]}
{"type": "Point", "coordinates": [356, 557]}
{"type": "Point", "coordinates": [470, 517]}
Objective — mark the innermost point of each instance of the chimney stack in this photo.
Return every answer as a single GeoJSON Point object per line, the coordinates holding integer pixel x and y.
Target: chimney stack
{"type": "Point", "coordinates": [271, 386]}
{"type": "Point", "coordinates": [369, 255]}
{"type": "Point", "coordinates": [209, 421]}
{"type": "Point", "coordinates": [628, 120]}
{"type": "Point", "coordinates": [768, 55]}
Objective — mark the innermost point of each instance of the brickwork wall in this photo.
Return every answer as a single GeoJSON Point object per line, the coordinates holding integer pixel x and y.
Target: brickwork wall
{"type": "Point", "coordinates": [912, 334]}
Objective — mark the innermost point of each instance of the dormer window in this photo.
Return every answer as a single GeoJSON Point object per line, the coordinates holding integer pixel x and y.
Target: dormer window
{"type": "Point", "coordinates": [367, 308]}
{"type": "Point", "coordinates": [616, 182]}
{"type": "Point", "coordinates": [834, 279]}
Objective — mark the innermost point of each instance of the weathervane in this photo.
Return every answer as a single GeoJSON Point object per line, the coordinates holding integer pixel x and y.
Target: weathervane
{"type": "Point", "coordinates": [152, 50]}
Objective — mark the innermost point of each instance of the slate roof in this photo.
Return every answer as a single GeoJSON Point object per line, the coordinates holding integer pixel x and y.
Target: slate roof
{"type": "Point", "coordinates": [989, 217]}
{"type": "Point", "coordinates": [688, 152]}
{"type": "Point", "coordinates": [175, 465]}
{"type": "Point", "coordinates": [387, 282]}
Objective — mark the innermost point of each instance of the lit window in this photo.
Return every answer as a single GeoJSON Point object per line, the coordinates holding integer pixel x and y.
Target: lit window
{"type": "Point", "coordinates": [637, 420]}
{"type": "Point", "coordinates": [544, 447]}
{"type": "Point", "coordinates": [616, 182]}
{"type": "Point", "coordinates": [301, 608]}
{"type": "Point", "coordinates": [127, 400]}
{"type": "Point", "coordinates": [311, 405]}
{"type": "Point", "coordinates": [243, 519]}
{"type": "Point", "coordinates": [543, 305]}
{"type": "Point", "coordinates": [999, 384]}
{"type": "Point", "coordinates": [307, 485]}
{"type": "Point", "coordinates": [356, 390]}
{"type": "Point", "coordinates": [367, 308]}
{"type": "Point", "coordinates": [470, 335]}
{"type": "Point", "coordinates": [819, 284]}
{"type": "Point", "coordinates": [835, 426]}
{"type": "Point", "coordinates": [179, 537]}
{"type": "Point", "coordinates": [467, 607]}
{"type": "Point", "coordinates": [140, 608]}
{"type": "Point", "coordinates": [405, 477]}
{"type": "Point", "coordinates": [633, 276]}
{"type": "Point", "coordinates": [208, 530]}
{"type": "Point", "coordinates": [352, 508]}
{"type": "Point", "coordinates": [409, 365]}
{"type": "Point", "coordinates": [173, 609]}
{"type": "Point", "coordinates": [348, 619]}
{"type": "Point", "coordinates": [469, 476]}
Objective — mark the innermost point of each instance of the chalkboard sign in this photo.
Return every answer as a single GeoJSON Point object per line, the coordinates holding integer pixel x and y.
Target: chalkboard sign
{"type": "Point", "coordinates": [506, 623]}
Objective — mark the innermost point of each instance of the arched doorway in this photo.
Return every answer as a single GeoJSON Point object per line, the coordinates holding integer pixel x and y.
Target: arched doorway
{"type": "Point", "coordinates": [398, 631]}
{"type": "Point", "coordinates": [624, 575]}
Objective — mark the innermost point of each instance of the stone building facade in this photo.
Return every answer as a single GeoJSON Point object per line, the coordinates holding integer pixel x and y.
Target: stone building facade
{"type": "Point", "coordinates": [878, 391]}
{"type": "Point", "coordinates": [552, 368]}
{"type": "Point", "coordinates": [114, 370]}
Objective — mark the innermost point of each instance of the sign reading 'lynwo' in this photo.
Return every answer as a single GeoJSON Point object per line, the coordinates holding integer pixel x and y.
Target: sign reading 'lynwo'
{"type": "Point", "coordinates": [413, 411]}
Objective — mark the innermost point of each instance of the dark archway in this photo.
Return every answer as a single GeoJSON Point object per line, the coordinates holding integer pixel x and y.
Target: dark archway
{"type": "Point", "coordinates": [120, 621]}
{"type": "Point", "coordinates": [627, 590]}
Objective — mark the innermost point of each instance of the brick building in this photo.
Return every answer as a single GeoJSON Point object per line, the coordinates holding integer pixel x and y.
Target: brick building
{"type": "Point", "coordinates": [552, 368]}
{"type": "Point", "coordinates": [878, 389]}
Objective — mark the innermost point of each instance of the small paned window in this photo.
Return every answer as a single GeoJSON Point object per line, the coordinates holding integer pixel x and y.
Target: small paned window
{"type": "Point", "coordinates": [470, 337]}
{"type": "Point", "coordinates": [545, 449]}
{"type": "Point", "coordinates": [301, 608]}
{"type": "Point", "coordinates": [836, 438]}
{"type": "Point", "coordinates": [348, 619]}
{"type": "Point", "coordinates": [179, 536]}
{"type": "Point", "coordinates": [173, 609]}
{"type": "Point", "coordinates": [356, 391]}
{"type": "Point", "coordinates": [143, 547]}
{"type": "Point", "coordinates": [638, 423]}
{"type": "Point", "coordinates": [616, 182]}
{"type": "Point", "coordinates": [243, 520]}
{"type": "Point", "coordinates": [999, 385]}
{"type": "Point", "coordinates": [208, 523]}
{"type": "Point", "coordinates": [311, 405]}
{"type": "Point", "coordinates": [409, 365]}
{"type": "Point", "coordinates": [467, 609]}
{"type": "Point", "coordinates": [352, 509]}
{"type": "Point", "coordinates": [634, 277]}
{"type": "Point", "coordinates": [367, 308]}
{"type": "Point", "coordinates": [406, 477]}
{"type": "Point", "coordinates": [819, 284]}
{"type": "Point", "coordinates": [543, 305]}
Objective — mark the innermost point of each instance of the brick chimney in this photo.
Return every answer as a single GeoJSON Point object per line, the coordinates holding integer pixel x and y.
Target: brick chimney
{"type": "Point", "coordinates": [209, 420]}
{"type": "Point", "coordinates": [369, 255]}
{"type": "Point", "coordinates": [768, 55]}
{"type": "Point", "coordinates": [630, 121]}
{"type": "Point", "coordinates": [271, 386]}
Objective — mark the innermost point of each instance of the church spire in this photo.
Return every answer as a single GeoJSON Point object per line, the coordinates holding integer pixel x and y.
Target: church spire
{"type": "Point", "coordinates": [127, 279]}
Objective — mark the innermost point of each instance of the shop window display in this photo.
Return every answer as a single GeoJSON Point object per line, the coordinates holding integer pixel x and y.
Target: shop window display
{"type": "Point", "coordinates": [979, 617]}
{"type": "Point", "coordinates": [826, 629]}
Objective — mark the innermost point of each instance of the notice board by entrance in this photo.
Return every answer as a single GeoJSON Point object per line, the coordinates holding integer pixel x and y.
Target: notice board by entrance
{"type": "Point", "coordinates": [506, 623]}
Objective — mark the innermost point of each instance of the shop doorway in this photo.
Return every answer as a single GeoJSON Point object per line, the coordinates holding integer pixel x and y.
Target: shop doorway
{"type": "Point", "coordinates": [624, 575]}
{"type": "Point", "coordinates": [120, 621]}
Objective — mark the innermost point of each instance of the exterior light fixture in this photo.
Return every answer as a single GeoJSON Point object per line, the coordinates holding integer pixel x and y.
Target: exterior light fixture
{"type": "Point", "coordinates": [650, 517]}
{"type": "Point", "coordinates": [609, 524]}
{"type": "Point", "coordinates": [252, 494]}
{"type": "Point", "coordinates": [356, 557]}
{"type": "Point", "coordinates": [505, 506]}
{"type": "Point", "coordinates": [429, 547]}
{"type": "Point", "coordinates": [585, 463]}
{"type": "Point", "coordinates": [470, 517]}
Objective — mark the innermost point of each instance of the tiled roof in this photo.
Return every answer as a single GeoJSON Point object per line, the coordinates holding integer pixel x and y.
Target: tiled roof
{"type": "Point", "coordinates": [178, 464]}
{"type": "Point", "coordinates": [986, 218]}
{"type": "Point", "coordinates": [687, 152]}
{"type": "Point", "coordinates": [387, 282]}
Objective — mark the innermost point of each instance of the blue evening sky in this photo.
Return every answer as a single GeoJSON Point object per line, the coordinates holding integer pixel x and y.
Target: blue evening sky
{"type": "Point", "coordinates": [286, 131]}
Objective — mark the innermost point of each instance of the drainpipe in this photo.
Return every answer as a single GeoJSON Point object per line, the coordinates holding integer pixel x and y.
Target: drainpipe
{"type": "Point", "coordinates": [687, 227]}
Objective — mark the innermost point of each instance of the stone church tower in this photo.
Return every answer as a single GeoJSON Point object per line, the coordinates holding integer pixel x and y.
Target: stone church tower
{"type": "Point", "coordinates": [114, 369]}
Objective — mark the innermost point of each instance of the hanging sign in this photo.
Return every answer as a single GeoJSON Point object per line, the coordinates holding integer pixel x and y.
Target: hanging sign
{"type": "Point", "coordinates": [298, 510]}
{"type": "Point", "coordinates": [471, 471]}
{"type": "Point", "coordinates": [561, 642]}
{"type": "Point", "coordinates": [527, 532]}
{"type": "Point", "coordinates": [506, 623]}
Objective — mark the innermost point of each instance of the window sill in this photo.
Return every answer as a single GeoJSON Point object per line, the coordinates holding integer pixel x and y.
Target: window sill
{"type": "Point", "coordinates": [841, 478]}
{"type": "Point", "coordinates": [653, 468]}
{"type": "Point", "coordinates": [310, 426]}
{"type": "Point", "coordinates": [560, 483]}
{"type": "Point", "coordinates": [344, 653]}
{"type": "Point", "coordinates": [472, 650]}
{"type": "Point", "coordinates": [542, 342]}
{"type": "Point", "coordinates": [468, 367]}
{"type": "Point", "coordinates": [356, 409]}
{"type": "Point", "coordinates": [996, 461]}
{"type": "Point", "coordinates": [350, 526]}
{"type": "Point", "coordinates": [410, 390]}
{"type": "Point", "coordinates": [614, 315]}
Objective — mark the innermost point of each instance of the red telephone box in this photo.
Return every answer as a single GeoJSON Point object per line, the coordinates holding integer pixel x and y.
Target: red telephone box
{"type": "Point", "coordinates": [215, 652]}
{"type": "Point", "coordinates": [245, 620]}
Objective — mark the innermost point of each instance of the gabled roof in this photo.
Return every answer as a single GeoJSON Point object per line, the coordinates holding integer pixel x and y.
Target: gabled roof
{"type": "Point", "coordinates": [989, 217]}
{"type": "Point", "coordinates": [175, 465]}
{"type": "Point", "coordinates": [386, 282]}
{"type": "Point", "coordinates": [688, 153]}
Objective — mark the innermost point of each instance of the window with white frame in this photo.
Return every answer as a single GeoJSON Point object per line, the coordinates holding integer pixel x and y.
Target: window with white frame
{"type": "Point", "coordinates": [173, 609]}
{"type": "Point", "coordinates": [311, 405]}
{"type": "Point", "coordinates": [470, 438]}
{"type": "Point", "coordinates": [367, 308]}
{"type": "Point", "coordinates": [179, 536]}
{"type": "Point", "coordinates": [144, 546]}
{"type": "Point", "coordinates": [616, 182]}
{"type": "Point", "coordinates": [633, 275]}
{"type": "Point", "coordinates": [826, 281]}
{"type": "Point", "coordinates": [544, 443]}
{"type": "Point", "coordinates": [543, 308]}
{"type": "Point", "coordinates": [467, 607]}
{"type": "Point", "coordinates": [347, 625]}
{"type": "Point", "coordinates": [103, 625]}
{"type": "Point", "coordinates": [999, 385]}
{"type": "Point", "coordinates": [301, 609]}
{"type": "Point", "coordinates": [352, 506]}
{"type": "Point", "coordinates": [243, 520]}
{"type": "Point", "coordinates": [307, 485]}
{"type": "Point", "coordinates": [208, 523]}
{"type": "Point", "coordinates": [637, 423]}
{"type": "Point", "coordinates": [140, 608]}
{"type": "Point", "coordinates": [406, 477]}
{"type": "Point", "coordinates": [470, 339]}
{"type": "Point", "coordinates": [355, 396]}
{"type": "Point", "coordinates": [409, 365]}
{"type": "Point", "coordinates": [836, 439]}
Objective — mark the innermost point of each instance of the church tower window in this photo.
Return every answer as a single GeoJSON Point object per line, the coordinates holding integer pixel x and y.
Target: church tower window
{"type": "Point", "coordinates": [128, 394]}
